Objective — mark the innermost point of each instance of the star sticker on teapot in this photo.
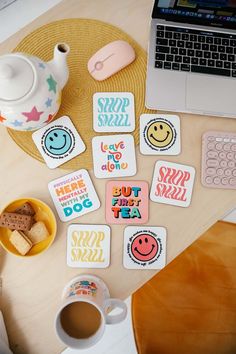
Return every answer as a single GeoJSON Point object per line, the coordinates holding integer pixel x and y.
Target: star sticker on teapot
{"type": "Point", "coordinates": [16, 123]}
{"type": "Point", "coordinates": [2, 118]}
{"type": "Point", "coordinates": [51, 84]}
{"type": "Point", "coordinates": [34, 115]}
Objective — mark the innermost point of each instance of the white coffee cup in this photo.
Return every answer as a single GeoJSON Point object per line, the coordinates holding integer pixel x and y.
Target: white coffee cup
{"type": "Point", "coordinates": [91, 290]}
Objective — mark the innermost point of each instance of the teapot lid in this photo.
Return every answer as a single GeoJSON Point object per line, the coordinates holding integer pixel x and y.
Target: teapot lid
{"type": "Point", "coordinates": [17, 77]}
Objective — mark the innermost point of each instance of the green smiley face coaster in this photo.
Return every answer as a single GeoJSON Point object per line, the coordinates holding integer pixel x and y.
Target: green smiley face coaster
{"type": "Point", "coordinates": [160, 134]}
{"type": "Point", "coordinates": [58, 142]}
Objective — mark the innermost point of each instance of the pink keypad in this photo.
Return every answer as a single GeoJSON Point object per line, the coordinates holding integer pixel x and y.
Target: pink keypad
{"type": "Point", "coordinates": [219, 160]}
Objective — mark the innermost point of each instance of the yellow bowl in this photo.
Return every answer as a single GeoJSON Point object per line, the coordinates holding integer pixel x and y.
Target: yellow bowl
{"type": "Point", "coordinates": [42, 213]}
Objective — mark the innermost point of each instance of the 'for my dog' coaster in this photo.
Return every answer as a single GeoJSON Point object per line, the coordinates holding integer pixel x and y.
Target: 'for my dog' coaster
{"type": "Point", "coordinates": [88, 246]}
{"type": "Point", "coordinates": [127, 202]}
{"type": "Point", "coordinates": [58, 142]}
{"type": "Point", "coordinates": [172, 183]}
{"type": "Point", "coordinates": [144, 247]}
{"type": "Point", "coordinates": [114, 156]}
{"type": "Point", "coordinates": [74, 195]}
{"type": "Point", "coordinates": [113, 112]}
{"type": "Point", "coordinates": [159, 134]}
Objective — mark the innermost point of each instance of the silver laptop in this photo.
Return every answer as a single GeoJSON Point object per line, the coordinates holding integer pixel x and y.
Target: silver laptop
{"type": "Point", "coordinates": [192, 51]}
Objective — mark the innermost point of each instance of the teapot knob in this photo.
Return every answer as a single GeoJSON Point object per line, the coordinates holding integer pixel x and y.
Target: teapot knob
{"type": "Point", "coordinates": [6, 71]}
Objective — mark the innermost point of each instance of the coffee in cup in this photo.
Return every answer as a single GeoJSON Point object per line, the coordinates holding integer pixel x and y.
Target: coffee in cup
{"type": "Point", "coordinates": [81, 319]}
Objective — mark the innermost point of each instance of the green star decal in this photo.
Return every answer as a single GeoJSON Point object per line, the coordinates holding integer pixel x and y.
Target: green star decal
{"type": "Point", "coordinates": [51, 84]}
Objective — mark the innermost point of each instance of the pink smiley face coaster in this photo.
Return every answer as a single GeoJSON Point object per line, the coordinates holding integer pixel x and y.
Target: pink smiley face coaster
{"type": "Point", "coordinates": [127, 202]}
{"type": "Point", "coordinates": [114, 156]}
{"type": "Point", "coordinates": [88, 246]}
{"type": "Point", "coordinates": [144, 247]}
{"type": "Point", "coordinates": [172, 184]}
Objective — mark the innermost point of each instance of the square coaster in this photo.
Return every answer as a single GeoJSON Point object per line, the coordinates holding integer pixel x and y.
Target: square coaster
{"type": "Point", "coordinates": [113, 112]}
{"type": "Point", "coordinates": [58, 142]}
{"type": "Point", "coordinates": [172, 183]}
{"type": "Point", "coordinates": [127, 202]}
{"type": "Point", "coordinates": [88, 246]}
{"type": "Point", "coordinates": [114, 156]}
{"type": "Point", "coordinates": [160, 134]}
{"type": "Point", "coordinates": [144, 247]}
{"type": "Point", "coordinates": [74, 195]}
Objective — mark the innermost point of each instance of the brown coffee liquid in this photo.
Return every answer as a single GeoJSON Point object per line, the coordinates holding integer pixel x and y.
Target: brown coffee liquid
{"type": "Point", "coordinates": [80, 320]}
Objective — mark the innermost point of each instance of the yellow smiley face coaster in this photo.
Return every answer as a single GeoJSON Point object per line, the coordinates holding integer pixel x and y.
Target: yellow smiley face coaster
{"type": "Point", "coordinates": [88, 246]}
{"type": "Point", "coordinates": [160, 134]}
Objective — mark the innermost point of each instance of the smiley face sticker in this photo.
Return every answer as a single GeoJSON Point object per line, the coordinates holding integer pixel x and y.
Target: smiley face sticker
{"type": "Point", "coordinates": [58, 142]}
{"type": "Point", "coordinates": [159, 134]}
{"type": "Point", "coordinates": [144, 247]}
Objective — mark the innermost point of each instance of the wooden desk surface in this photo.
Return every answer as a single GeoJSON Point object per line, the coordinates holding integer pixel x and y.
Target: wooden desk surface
{"type": "Point", "coordinates": [32, 287]}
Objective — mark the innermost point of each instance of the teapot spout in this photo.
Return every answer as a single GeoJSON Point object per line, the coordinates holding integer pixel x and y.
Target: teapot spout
{"type": "Point", "coordinates": [59, 65]}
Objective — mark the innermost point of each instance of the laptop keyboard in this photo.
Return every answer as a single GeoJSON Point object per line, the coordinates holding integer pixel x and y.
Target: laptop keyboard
{"type": "Point", "coordinates": [195, 51]}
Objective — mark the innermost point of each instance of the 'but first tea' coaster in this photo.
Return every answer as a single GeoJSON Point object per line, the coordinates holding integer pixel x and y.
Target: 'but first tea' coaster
{"type": "Point", "coordinates": [74, 195]}
{"type": "Point", "coordinates": [58, 142]}
{"type": "Point", "coordinates": [127, 202]}
{"type": "Point", "coordinates": [88, 246]}
{"type": "Point", "coordinates": [114, 156]}
{"type": "Point", "coordinates": [113, 112]}
{"type": "Point", "coordinates": [172, 184]}
{"type": "Point", "coordinates": [159, 134]}
{"type": "Point", "coordinates": [144, 247]}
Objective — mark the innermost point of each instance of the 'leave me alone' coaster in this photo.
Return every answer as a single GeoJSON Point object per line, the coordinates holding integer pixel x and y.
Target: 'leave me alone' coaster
{"type": "Point", "coordinates": [127, 202]}
{"type": "Point", "coordinates": [144, 247]}
{"type": "Point", "coordinates": [160, 134]}
{"type": "Point", "coordinates": [58, 142]}
{"type": "Point", "coordinates": [114, 156]}
{"type": "Point", "coordinates": [74, 195]}
{"type": "Point", "coordinates": [88, 246]}
{"type": "Point", "coordinates": [172, 183]}
{"type": "Point", "coordinates": [113, 112]}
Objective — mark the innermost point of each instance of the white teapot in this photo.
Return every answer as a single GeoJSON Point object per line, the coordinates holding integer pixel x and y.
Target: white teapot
{"type": "Point", "coordinates": [30, 89]}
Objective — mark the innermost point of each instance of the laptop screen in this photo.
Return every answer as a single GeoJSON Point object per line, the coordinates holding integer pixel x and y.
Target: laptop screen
{"type": "Point", "coordinates": [218, 13]}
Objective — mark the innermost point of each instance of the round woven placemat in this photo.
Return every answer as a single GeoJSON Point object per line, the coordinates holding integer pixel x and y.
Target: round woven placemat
{"type": "Point", "coordinates": [84, 37]}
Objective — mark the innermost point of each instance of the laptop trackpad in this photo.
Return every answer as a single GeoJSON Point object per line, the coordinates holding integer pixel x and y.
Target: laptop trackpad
{"type": "Point", "coordinates": [210, 94]}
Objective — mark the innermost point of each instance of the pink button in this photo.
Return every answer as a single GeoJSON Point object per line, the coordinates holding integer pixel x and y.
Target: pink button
{"type": "Point", "coordinates": [230, 156]}
{"type": "Point", "coordinates": [212, 163]}
{"type": "Point", "coordinates": [212, 154]}
{"type": "Point", "coordinates": [211, 171]}
{"type": "Point", "coordinates": [233, 148]}
{"type": "Point", "coordinates": [209, 180]}
{"type": "Point", "coordinates": [224, 181]}
{"type": "Point", "coordinates": [231, 164]}
{"type": "Point", "coordinates": [220, 172]}
{"type": "Point", "coordinates": [228, 172]}
{"type": "Point", "coordinates": [223, 163]}
{"type": "Point", "coordinates": [222, 155]}
{"type": "Point", "coordinates": [216, 180]}
{"type": "Point", "coordinates": [227, 147]}
{"type": "Point", "coordinates": [98, 65]}
{"type": "Point", "coordinates": [234, 173]}
{"type": "Point", "coordinates": [211, 146]}
{"type": "Point", "coordinates": [232, 181]}
{"type": "Point", "coordinates": [219, 146]}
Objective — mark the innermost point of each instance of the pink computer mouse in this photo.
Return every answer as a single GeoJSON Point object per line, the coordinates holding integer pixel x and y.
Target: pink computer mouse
{"type": "Point", "coordinates": [110, 59]}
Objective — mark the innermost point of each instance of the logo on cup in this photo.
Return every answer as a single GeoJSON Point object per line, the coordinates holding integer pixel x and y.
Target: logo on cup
{"type": "Point", "coordinates": [82, 287]}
